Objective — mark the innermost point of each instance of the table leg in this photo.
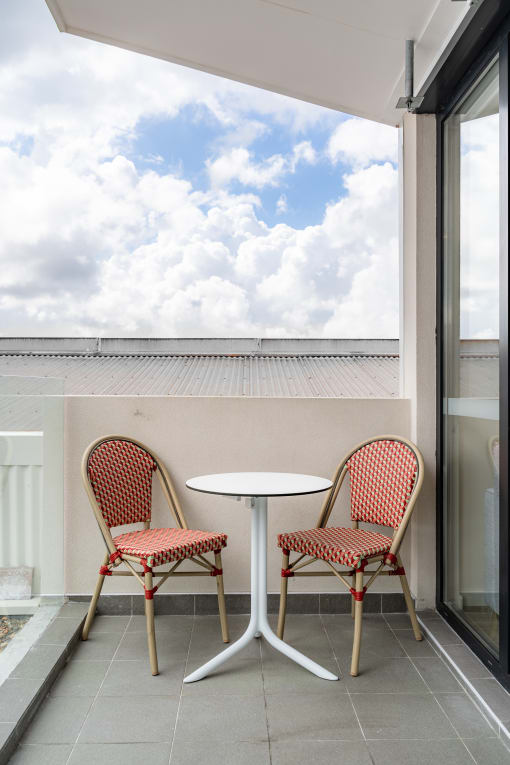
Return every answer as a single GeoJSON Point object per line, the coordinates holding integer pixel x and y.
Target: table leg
{"type": "Point", "coordinates": [258, 621]}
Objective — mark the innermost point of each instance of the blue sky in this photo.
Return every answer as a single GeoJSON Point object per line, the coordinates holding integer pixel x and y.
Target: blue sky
{"type": "Point", "coordinates": [185, 142]}
{"type": "Point", "coordinates": [144, 198]}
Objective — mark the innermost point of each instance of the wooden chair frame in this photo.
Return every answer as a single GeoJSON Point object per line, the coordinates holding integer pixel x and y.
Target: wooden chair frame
{"type": "Point", "coordinates": [112, 558]}
{"type": "Point", "coordinates": [391, 560]}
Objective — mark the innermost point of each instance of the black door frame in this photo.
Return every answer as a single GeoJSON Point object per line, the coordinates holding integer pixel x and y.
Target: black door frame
{"type": "Point", "coordinates": [485, 53]}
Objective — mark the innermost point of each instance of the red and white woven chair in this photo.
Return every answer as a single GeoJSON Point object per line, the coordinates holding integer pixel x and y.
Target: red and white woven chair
{"type": "Point", "coordinates": [386, 475]}
{"type": "Point", "coordinates": [117, 472]}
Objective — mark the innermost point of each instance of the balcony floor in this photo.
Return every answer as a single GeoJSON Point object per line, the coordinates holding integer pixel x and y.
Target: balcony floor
{"type": "Point", "coordinates": [260, 709]}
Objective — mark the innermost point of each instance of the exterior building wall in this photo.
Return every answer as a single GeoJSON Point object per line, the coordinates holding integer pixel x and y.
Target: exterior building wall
{"type": "Point", "coordinates": [196, 436]}
{"type": "Point", "coordinates": [418, 326]}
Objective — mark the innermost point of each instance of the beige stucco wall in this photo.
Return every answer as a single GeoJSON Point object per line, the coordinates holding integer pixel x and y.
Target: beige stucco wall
{"type": "Point", "coordinates": [418, 333]}
{"type": "Point", "coordinates": [208, 435]}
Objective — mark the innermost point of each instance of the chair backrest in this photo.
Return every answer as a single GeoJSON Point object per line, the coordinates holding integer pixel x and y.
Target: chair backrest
{"type": "Point", "coordinates": [120, 473]}
{"type": "Point", "coordinates": [383, 473]}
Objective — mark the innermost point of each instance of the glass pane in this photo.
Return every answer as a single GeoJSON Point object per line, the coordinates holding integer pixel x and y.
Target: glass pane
{"type": "Point", "coordinates": [471, 359]}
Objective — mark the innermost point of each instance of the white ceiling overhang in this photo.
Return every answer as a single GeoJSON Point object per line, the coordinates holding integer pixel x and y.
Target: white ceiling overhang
{"type": "Point", "coordinates": [344, 54]}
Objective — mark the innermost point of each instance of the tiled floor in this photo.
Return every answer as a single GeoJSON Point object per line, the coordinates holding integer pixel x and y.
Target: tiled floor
{"type": "Point", "coordinates": [405, 708]}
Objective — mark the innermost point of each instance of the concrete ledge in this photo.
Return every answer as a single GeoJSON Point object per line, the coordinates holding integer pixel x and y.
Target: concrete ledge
{"type": "Point", "coordinates": [487, 694]}
{"type": "Point", "coordinates": [29, 683]}
{"type": "Point", "coordinates": [203, 604]}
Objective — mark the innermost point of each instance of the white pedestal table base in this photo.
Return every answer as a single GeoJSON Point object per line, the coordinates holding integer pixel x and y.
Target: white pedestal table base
{"type": "Point", "coordinates": [259, 624]}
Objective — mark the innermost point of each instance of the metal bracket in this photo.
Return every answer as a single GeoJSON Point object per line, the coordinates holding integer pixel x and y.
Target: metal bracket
{"type": "Point", "coordinates": [409, 102]}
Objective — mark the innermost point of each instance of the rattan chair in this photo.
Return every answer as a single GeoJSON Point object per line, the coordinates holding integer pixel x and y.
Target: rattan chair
{"type": "Point", "coordinates": [386, 474]}
{"type": "Point", "coordinates": [117, 472]}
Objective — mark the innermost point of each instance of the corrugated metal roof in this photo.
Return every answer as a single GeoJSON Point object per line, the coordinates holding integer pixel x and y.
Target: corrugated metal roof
{"type": "Point", "coordinates": [218, 375]}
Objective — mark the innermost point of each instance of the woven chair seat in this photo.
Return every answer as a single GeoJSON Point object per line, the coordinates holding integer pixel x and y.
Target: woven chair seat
{"type": "Point", "coordinates": [158, 546]}
{"type": "Point", "coordinates": [338, 545]}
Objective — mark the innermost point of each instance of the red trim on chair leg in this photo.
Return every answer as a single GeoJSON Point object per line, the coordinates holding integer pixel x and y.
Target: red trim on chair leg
{"type": "Point", "coordinates": [286, 572]}
{"type": "Point", "coordinates": [358, 595]}
{"type": "Point", "coordinates": [105, 571]}
{"type": "Point", "coordinates": [146, 569]}
{"type": "Point", "coordinates": [149, 594]}
{"type": "Point", "coordinates": [390, 559]}
{"type": "Point", "coordinates": [285, 552]}
{"type": "Point", "coordinates": [216, 571]}
{"type": "Point", "coordinates": [400, 571]}
{"type": "Point", "coordinates": [114, 556]}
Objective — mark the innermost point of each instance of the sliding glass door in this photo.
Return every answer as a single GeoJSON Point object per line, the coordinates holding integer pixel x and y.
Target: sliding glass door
{"type": "Point", "coordinates": [474, 382]}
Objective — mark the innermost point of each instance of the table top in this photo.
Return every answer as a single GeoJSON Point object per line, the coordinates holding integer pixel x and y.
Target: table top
{"type": "Point", "coordinates": [259, 484]}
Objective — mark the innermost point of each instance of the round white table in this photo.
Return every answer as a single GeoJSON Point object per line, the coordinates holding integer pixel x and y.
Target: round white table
{"type": "Point", "coordinates": [256, 488]}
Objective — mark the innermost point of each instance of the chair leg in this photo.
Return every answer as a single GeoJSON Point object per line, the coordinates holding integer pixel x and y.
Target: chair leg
{"type": "Point", "coordinates": [353, 602]}
{"type": "Point", "coordinates": [409, 603]}
{"type": "Point", "coordinates": [149, 615]}
{"type": "Point", "coordinates": [283, 596]}
{"type": "Point", "coordinates": [358, 618]}
{"type": "Point", "coordinates": [222, 608]}
{"type": "Point", "coordinates": [93, 603]}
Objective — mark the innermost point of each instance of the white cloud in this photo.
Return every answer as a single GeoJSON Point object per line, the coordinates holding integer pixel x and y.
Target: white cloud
{"type": "Point", "coordinates": [359, 142]}
{"type": "Point", "coordinates": [90, 243]}
{"type": "Point", "coordinates": [281, 205]}
{"type": "Point", "coordinates": [479, 230]}
{"type": "Point", "coordinates": [239, 165]}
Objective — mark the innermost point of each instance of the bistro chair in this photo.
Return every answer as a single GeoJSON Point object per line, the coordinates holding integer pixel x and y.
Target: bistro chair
{"type": "Point", "coordinates": [386, 474]}
{"type": "Point", "coordinates": [117, 472]}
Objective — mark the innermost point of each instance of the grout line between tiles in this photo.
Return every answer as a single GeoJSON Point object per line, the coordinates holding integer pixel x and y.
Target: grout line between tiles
{"type": "Point", "coordinates": [340, 677]}
{"type": "Point", "coordinates": [265, 701]}
{"type": "Point", "coordinates": [98, 691]}
{"type": "Point", "coordinates": [182, 688]}
{"type": "Point", "coordinates": [431, 691]}
{"type": "Point", "coordinates": [474, 696]}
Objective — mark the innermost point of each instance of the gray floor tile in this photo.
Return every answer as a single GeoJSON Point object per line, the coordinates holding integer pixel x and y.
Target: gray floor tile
{"type": "Point", "coordinates": [376, 640]}
{"type": "Point", "coordinates": [221, 753]}
{"type": "Point", "coordinates": [306, 633]}
{"type": "Point", "coordinates": [206, 640]}
{"type": "Point", "coordinates": [121, 754]}
{"type": "Point", "coordinates": [59, 632]}
{"type": "Point", "coordinates": [442, 632]}
{"type": "Point", "coordinates": [135, 678]}
{"type": "Point", "coordinates": [488, 751]}
{"type": "Point", "coordinates": [236, 718]}
{"type": "Point", "coordinates": [452, 752]}
{"type": "Point", "coordinates": [109, 624]}
{"type": "Point", "coordinates": [99, 647]}
{"type": "Point", "coordinates": [467, 662]}
{"type": "Point", "coordinates": [304, 717]}
{"type": "Point", "coordinates": [163, 623]}
{"type": "Point", "coordinates": [58, 721]}
{"type": "Point", "coordinates": [414, 647]}
{"type": "Point", "coordinates": [80, 678]}
{"type": "Point", "coordinates": [320, 753]}
{"type": "Point", "coordinates": [15, 695]}
{"type": "Point", "coordinates": [169, 646]}
{"type": "Point", "coordinates": [38, 662]}
{"type": "Point", "coordinates": [282, 675]}
{"type": "Point", "coordinates": [429, 614]}
{"type": "Point", "coordinates": [464, 716]}
{"type": "Point", "coordinates": [238, 676]}
{"type": "Point", "coordinates": [398, 621]}
{"type": "Point", "coordinates": [384, 676]}
{"type": "Point", "coordinates": [436, 675]}
{"type": "Point", "coordinates": [401, 716]}
{"type": "Point", "coordinates": [73, 610]}
{"type": "Point", "coordinates": [41, 754]}
{"type": "Point", "coordinates": [125, 719]}
{"type": "Point", "coordinates": [495, 696]}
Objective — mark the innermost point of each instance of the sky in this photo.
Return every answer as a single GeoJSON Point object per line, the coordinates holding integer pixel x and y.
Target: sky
{"type": "Point", "coordinates": [141, 198]}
